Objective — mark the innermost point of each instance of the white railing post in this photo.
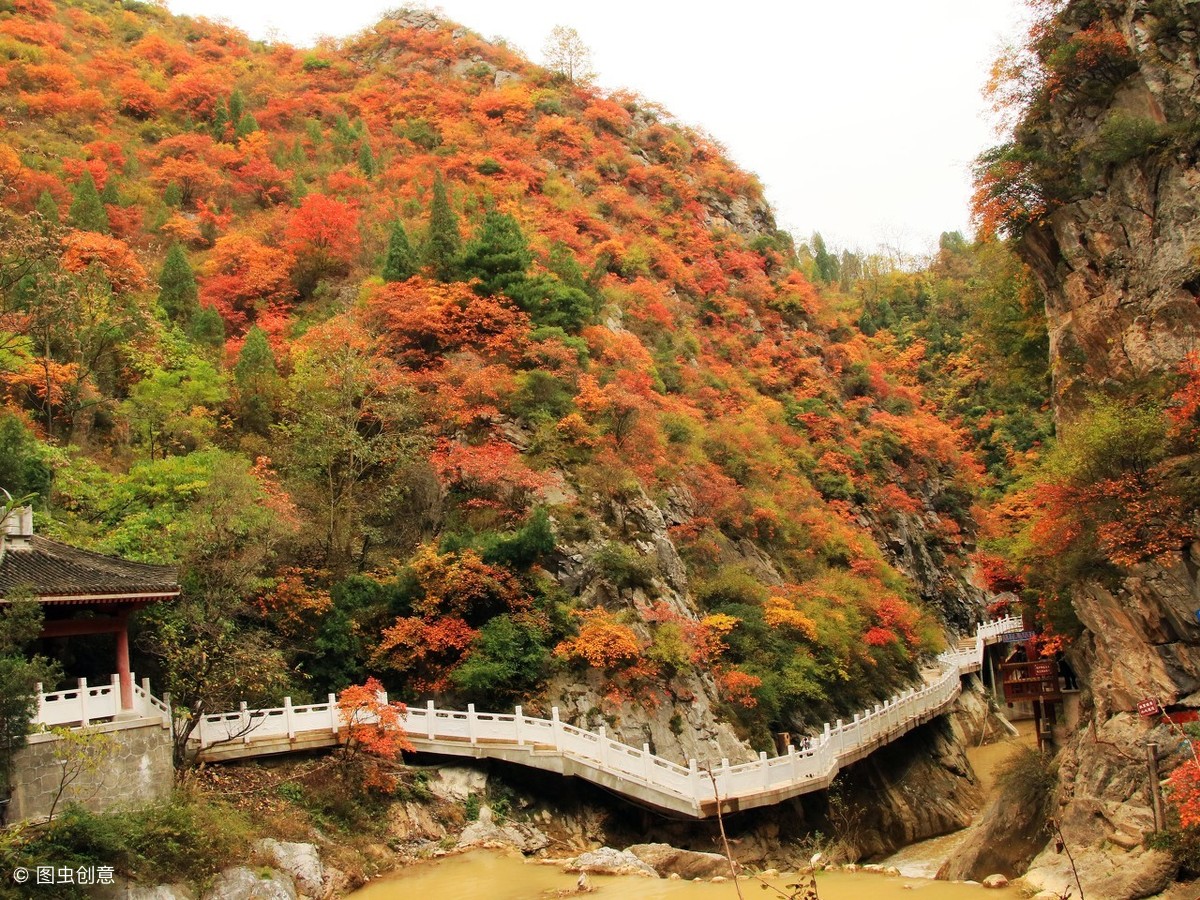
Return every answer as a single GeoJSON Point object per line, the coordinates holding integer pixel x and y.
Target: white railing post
{"type": "Point", "coordinates": [116, 689]}
{"type": "Point", "coordinates": [841, 740]}
{"type": "Point", "coordinates": [795, 760]}
{"type": "Point", "coordinates": [41, 698]}
{"type": "Point", "coordinates": [519, 720]}
{"type": "Point", "coordinates": [168, 710]}
{"type": "Point", "coordinates": [335, 718]}
{"type": "Point", "coordinates": [429, 719]}
{"type": "Point", "coordinates": [83, 710]}
{"type": "Point", "coordinates": [287, 718]}
{"type": "Point", "coordinates": [726, 781]}
{"type": "Point", "coordinates": [694, 779]}
{"type": "Point", "coordinates": [556, 728]}
{"type": "Point", "coordinates": [602, 742]}
{"type": "Point", "coordinates": [647, 763]}
{"type": "Point", "coordinates": [244, 722]}
{"type": "Point", "coordinates": [471, 723]}
{"type": "Point", "coordinates": [766, 771]}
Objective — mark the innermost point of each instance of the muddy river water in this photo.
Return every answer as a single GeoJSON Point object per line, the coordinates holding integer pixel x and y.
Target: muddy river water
{"type": "Point", "coordinates": [486, 875]}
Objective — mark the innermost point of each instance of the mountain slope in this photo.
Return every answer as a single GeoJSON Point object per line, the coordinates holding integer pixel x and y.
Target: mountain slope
{"type": "Point", "coordinates": [458, 374]}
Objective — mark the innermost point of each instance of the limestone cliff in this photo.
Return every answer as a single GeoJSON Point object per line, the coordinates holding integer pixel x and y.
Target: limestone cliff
{"type": "Point", "coordinates": [1118, 256]}
{"type": "Point", "coordinates": [1119, 261]}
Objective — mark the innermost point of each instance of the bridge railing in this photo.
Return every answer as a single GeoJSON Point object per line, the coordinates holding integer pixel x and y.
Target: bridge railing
{"type": "Point", "coordinates": [817, 760]}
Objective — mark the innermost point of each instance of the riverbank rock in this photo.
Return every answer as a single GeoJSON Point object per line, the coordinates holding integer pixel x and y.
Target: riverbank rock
{"type": "Point", "coordinates": [1113, 874]}
{"type": "Point", "coordinates": [668, 860]}
{"type": "Point", "coordinates": [486, 832]}
{"type": "Point", "coordinates": [456, 783]}
{"type": "Point", "coordinates": [301, 861]}
{"type": "Point", "coordinates": [1009, 835]}
{"type": "Point", "coordinates": [241, 883]}
{"type": "Point", "coordinates": [125, 890]}
{"type": "Point", "coordinates": [414, 822]}
{"type": "Point", "coordinates": [995, 881]}
{"type": "Point", "coordinates": [609, 861]}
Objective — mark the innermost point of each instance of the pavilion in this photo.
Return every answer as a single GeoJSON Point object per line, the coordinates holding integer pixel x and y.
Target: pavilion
{"type": "Point", "coordinates": [80, 592]}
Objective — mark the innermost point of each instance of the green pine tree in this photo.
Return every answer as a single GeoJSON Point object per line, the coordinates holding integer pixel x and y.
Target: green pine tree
{"type": "Point", "coordinates": [247, 124]}
{"type": "Point", "coordinates": [220, 123]}
{"type": "Point", "coordinates": [110, 194]}
{"type": "Point", "coordinates": [237, 106]}
{"type": "Point", "coordinates": [173, 195]}
{"type": "Point", "coordinates": [443, 241]}
{"type": "Point", "coordinates": [47, 208]}
{"type": "Point", "coordinates": [401, 262]}
{"type": "Point", "coordinates": [366, 160]}
{"type": "Point", "coordinates": [257, 381]}
{"type": "Point", "coordinates": [87, 211]}
{"type": "Point", "coordinates": [207, 328]}
{"type": "Point", "coordinates": [498, 255]}
{"type": "Point", "coordinates": [299, 188]}
{"type": "Point", "coordinates": [177, 286]}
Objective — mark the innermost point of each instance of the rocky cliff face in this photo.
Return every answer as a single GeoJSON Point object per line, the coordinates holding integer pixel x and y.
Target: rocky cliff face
{"type": "Point", "coordinates": [1121, 272]}
{"type": "Point", "coordinates": [1120, 267]}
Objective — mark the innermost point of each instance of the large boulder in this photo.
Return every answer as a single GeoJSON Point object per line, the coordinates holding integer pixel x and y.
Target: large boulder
{"type": "Point", "coordinates": [609, 861]}
{"type": "Point", "coordinates": [1107, 872]}
{"type": "Point", "coordinates": [456, 783]}
{"type": "Point", "coordinates": [486, 832]}
{"type": "Point", "coordinates": [241, 883]}
{"type": "Point", "coordinates": [301, 861]}
{"type": "Point", "coordinates": [126, 890]}
{"type": "Point", "coordinates": [667, 860]}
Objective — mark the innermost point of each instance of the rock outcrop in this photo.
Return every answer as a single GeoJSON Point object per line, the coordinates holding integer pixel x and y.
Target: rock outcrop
{"type": "Point", "coordinates": [1119, 267]}
{"type": "Point", "coordinates": [667, 860]}
{"type": "Point", "coordinates": [609, 861]}
{"type": "Point", "coordinates": [1119, 262]}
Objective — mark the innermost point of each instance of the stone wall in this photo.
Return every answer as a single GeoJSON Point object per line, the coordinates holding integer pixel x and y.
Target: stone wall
{"type": "Point", "coordinates": [134, 768]}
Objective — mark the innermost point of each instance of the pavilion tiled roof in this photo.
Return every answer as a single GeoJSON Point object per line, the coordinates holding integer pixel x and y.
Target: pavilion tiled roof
{"type": "Point", "coordinates": [54, 571]}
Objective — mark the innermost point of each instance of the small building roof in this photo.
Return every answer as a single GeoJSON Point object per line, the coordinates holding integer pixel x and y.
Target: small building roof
{"type": "Point", "coordinates": [56, 572]}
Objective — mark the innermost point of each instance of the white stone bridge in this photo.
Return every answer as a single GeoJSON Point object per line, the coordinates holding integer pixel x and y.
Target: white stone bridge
{"type": "Point", "coordinates": [554, 746]}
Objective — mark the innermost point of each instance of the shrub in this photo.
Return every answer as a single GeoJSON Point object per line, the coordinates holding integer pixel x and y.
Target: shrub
{"type": "Point", "coordinates": [183, 838]}
{"type": "Point", "coordinates": [507, 660]}
{"type": "Point", "coordinates": [623, 567]}
{"type": "Point", "coordinates": [1124, 136]}
{"type": "Point", "coordinates": [1026, 781]}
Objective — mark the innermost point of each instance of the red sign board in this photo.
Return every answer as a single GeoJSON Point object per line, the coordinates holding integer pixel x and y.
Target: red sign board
{"type": "Point", "coordinates": [1043, 669]}
{"type": "Point", "coordinates": [1147, 707]}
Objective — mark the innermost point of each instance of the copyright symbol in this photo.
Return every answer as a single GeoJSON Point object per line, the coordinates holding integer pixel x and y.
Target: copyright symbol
{"type": "Point", "coordinates": [20, 875]}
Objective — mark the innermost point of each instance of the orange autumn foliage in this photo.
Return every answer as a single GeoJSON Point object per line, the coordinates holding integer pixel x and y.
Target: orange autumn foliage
{"type": "Point", "coordinates": [423, 321]}
{"type": "Point", "coordinates": [602, 642]}
{"type": "Point", "coordinates": [111, 257]}
{"type": "Point", "coordinates": [373, 728]}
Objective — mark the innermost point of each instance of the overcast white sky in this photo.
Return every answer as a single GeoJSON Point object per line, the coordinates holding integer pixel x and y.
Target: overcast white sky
{"type": "Point", "coordinates": [861, 118]}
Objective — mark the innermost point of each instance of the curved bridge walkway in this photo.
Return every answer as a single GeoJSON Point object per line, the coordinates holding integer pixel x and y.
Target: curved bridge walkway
{"type": "Point", "coordinates": [552, 745]}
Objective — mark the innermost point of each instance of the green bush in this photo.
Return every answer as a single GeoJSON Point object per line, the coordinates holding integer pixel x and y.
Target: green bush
{"type": "Point", "coordinates": [623, 567]}
{"type": "Point", "coordinates": [507, 660]}
{"type": "Point", "coordinates": [1027, 780]}
{"type": "Point", "coordinates": [520, 549]}
{"type": "Point", "coordinates": [181, 839]}
{"type": "Point", "coordinates": [1124, 136]}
